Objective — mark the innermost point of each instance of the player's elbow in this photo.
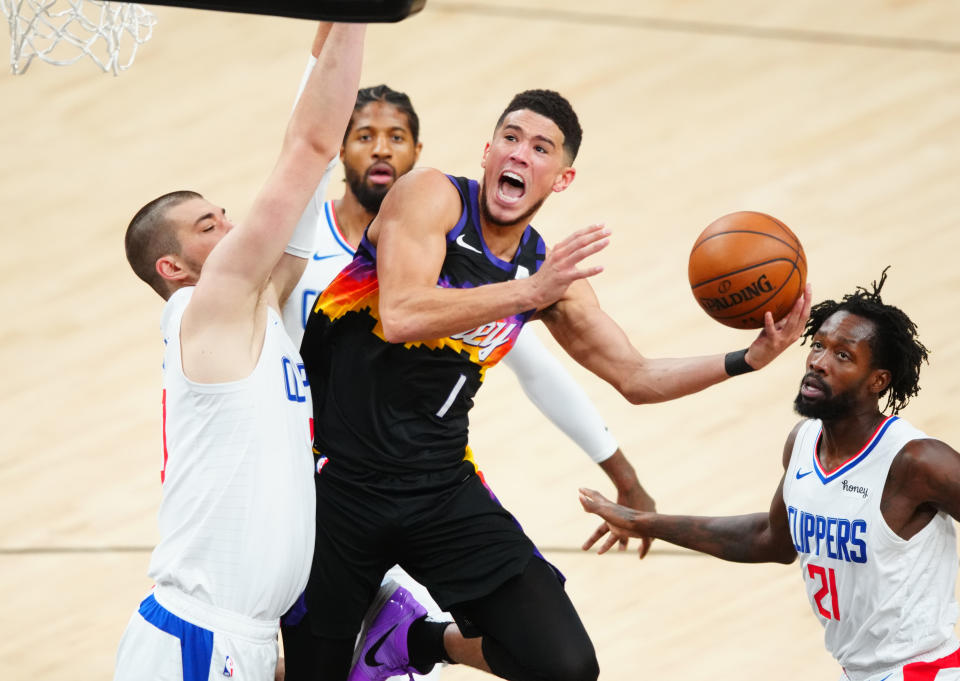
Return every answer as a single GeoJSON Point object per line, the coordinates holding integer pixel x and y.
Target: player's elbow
{"type": "Point", "coordinates": [397, 327]}
{"type": "Point", "coordinates": [638, 392]}
{"type": "Point", "coordinates": [783, 554]}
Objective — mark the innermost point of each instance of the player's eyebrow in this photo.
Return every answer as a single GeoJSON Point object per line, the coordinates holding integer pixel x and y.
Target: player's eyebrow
{"type": "Point", "coordinates": [541, 138]}
{"type": "Point", "coordinates": [208, 216]}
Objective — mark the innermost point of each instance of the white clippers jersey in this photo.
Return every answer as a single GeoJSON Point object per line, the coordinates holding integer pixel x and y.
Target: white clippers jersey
{"type": "Point", "coordinates": [237, 516]}
{"type": "Point", "coordinates": [882, 600]}
{"type": "Point", "coordinates": [332, 254]}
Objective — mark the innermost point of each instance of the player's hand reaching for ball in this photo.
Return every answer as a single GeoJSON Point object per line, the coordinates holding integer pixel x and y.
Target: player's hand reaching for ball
{"type": "Point", "coordinates": [778, 336]}
{"type": "Point", "coordinates": [620, 521]}
{"type": "Point", "coordinates": [559, 268]}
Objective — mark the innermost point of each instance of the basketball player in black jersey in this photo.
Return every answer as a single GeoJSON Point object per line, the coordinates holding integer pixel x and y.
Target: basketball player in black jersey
{"type": "Point", "coordinates": [395, 349]}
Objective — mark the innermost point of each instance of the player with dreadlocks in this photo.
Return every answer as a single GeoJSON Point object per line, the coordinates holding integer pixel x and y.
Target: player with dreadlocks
{"type": "Point", "coordinates": [867, 501]}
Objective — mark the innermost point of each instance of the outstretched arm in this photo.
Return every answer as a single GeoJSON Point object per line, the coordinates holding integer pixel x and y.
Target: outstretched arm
{"type": "Point", "coordinates": [221, 330]}
{"type": "Point", "coordinates": [293, 262]}
{"type": "Point", "coordinates": [554, 392]}
{"type": "Point", "coordinates": [237, 270]}
{"type": "Point", "coordinates": [752, 538]}
{"type": "Point", "coordinates": [592, 338]}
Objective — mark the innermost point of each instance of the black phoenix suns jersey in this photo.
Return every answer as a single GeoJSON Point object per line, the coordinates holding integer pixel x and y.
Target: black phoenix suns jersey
{"type": "Point", "coordinates": [402, 407]}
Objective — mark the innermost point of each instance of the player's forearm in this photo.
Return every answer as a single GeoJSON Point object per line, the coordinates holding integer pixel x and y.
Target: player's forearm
{"type": "Point", "coordinates": [621, 472]}
{"type": "Point", "coordinates": [327, 100]}
{"type": "Point", "coordinates": [424, 313]}
{"type": "Point", "coordinates": [741, 539]}
{"type": "Point", "coordinates": [662, 379]}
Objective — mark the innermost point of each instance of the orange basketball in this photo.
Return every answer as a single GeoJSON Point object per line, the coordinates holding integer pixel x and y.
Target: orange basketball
{"type": "Point", "coordinates": [744, 264]}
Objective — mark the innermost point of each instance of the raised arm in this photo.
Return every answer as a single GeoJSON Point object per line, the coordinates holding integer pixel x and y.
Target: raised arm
{"type": "Point", "coordinates": [592, 338]}
{"type": "Point", "coordinates": [752, 538]}
{"type": "Point", "coordinates": [410, 236]}
{"type": "Point", "coordinates": [237, 270]}
{"type": "Point", "coordinates": [301, 245]}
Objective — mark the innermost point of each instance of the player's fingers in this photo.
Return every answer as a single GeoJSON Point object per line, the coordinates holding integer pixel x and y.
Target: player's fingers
{"type": "Point", "coordinates": [595, 537]}
{"type": "Point", "coordinates": [586, 251]}
{"type": "Point", "coordinates": [610, 542]}
{"type": "Point", "coordinates": [587, 272]}
{"type": "Point", "coordinates": [645, 543]}
{"type": "Point", "coordinates": [579, 239]}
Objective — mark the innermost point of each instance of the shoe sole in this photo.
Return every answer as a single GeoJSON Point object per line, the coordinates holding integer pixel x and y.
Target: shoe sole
{"type": "Point", "coordinates": [383, 595]}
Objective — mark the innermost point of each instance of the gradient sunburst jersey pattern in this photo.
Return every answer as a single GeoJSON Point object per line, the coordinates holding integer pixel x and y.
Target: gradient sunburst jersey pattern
{"type": "Point", "coordinates": [398, 408]}
{"type": "Point", "coordinates": [356, 289]}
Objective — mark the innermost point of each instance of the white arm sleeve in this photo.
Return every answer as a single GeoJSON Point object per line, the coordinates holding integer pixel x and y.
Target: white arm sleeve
{"type": "Point", "coordinates": [558, 397]}
{"type": "Point", "coordinates": [304, 238]}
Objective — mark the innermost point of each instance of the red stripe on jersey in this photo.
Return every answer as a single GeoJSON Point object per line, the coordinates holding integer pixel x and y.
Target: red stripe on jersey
{"type": "Point", "coordinates": [926, 671]}
{"type": "Point", "coordinates": [336, 226]}
{"type": "Point", "coordinates": [163, 471]}
{"type": "Point", "coordinates": [816, 448]}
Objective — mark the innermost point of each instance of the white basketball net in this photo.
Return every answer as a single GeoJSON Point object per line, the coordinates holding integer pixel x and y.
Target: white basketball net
{"type": "Point", "coordinates": [63, 31]}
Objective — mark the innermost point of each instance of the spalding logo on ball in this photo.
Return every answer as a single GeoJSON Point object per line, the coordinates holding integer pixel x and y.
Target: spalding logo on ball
{"type": "Point", "coordinates": [744, 264]}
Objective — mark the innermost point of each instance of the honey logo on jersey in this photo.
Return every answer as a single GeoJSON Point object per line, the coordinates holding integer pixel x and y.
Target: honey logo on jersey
{"type": "Point", "coordinates": [852, 490]}
{"type": "Point", "coordinates": [488, 337]}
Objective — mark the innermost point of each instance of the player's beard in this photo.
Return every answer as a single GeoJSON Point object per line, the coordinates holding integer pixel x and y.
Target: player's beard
{"type": "Point", "coordinates": [370, 197]}
{"type": "Point", "coordinates": [830, 407]}
{"type": "Point", "coordinates": [489, 218]}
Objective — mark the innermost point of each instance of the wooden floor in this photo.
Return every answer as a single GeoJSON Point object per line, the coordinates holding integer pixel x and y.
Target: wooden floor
{"type": "Point", "coordinates": [842, 119]}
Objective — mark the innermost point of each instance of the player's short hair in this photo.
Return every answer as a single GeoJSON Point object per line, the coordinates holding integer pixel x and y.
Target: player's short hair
{"type": "Point", "coordinates": [894, 344]}
{"type": "Point", "coordinates": [150, 236]}
{"type": "Point", "coordinates": [387, 95]}
{"type": "Point", "coordinates": [554, 106]}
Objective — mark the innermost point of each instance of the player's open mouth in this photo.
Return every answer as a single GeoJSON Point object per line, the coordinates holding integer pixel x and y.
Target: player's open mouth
{"type": "Point", "coordinates": [381, 173]}
{"type": "Point", "coordinates": [511, 187]}
{"type": "Point", "coordinates": [811, 386]}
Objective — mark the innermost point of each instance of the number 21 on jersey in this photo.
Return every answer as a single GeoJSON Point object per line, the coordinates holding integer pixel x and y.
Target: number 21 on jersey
{"type": "Point", "coordinates": [827, 579]}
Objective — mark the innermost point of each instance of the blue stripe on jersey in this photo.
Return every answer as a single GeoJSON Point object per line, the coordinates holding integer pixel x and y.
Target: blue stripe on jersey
{"type": "Point", "coordinates": [855, 460]}
{"type": "Point", "coordinates": [332, 226]}
{"type": "Point", "coordinates": [196, 644]}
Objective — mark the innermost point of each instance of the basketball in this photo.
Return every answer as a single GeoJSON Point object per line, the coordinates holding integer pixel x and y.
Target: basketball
{"type": "Point", "coordinates": [744, 264]}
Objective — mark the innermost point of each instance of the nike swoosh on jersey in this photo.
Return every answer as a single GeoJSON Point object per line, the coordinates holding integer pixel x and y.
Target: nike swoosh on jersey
{"type": "Point", "coordinates": [462, 242]}
{"type": "Point", "coordinates": [371, 657]}
{"type": "Point", "coordinates": [802, 475]}
{"type": "Point", "coordinates": [317, 256]}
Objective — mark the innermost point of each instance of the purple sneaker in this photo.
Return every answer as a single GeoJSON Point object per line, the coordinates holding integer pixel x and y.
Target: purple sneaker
{"type": "Point", "coordinates": [381, 650]}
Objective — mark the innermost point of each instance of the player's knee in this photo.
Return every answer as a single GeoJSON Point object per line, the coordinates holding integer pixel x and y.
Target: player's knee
{"type": "Point", "coordinates": [575, 663]}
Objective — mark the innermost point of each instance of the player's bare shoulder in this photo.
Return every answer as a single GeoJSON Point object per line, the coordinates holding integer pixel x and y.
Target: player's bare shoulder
{"type": "Point", "coordinates": [423, 197]}
{"type": "Point", "coordinates": [926, 464]}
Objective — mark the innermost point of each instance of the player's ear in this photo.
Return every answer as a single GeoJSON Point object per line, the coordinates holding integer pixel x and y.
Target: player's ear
{"type": "Point", "coordinates": [483, 159]}
{"type": "Point", "coordinates": [170, 268]}
{"type": "Point", "coordinates": [879, 381]}
{"type": "Point", "coordinates": [564, 179]}
{"type": "Point", "coordinates": [416, 152]}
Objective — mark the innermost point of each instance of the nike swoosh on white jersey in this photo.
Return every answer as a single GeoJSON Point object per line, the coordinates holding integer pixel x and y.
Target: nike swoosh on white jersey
{"type": "Point", "coordinates": [462, 242]}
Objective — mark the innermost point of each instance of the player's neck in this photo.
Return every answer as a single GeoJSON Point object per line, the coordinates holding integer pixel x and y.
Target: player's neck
{"type": "Point", "coordinates": [502, 240]}
{"type": "Point", "coordinates": [352, 218]}
{"type": "Point", "coordinates": [843, 438]}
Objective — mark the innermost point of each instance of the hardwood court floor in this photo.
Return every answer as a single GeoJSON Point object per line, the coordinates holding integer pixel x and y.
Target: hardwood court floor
{"type": "Point", "coordinates": [842, 119]}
